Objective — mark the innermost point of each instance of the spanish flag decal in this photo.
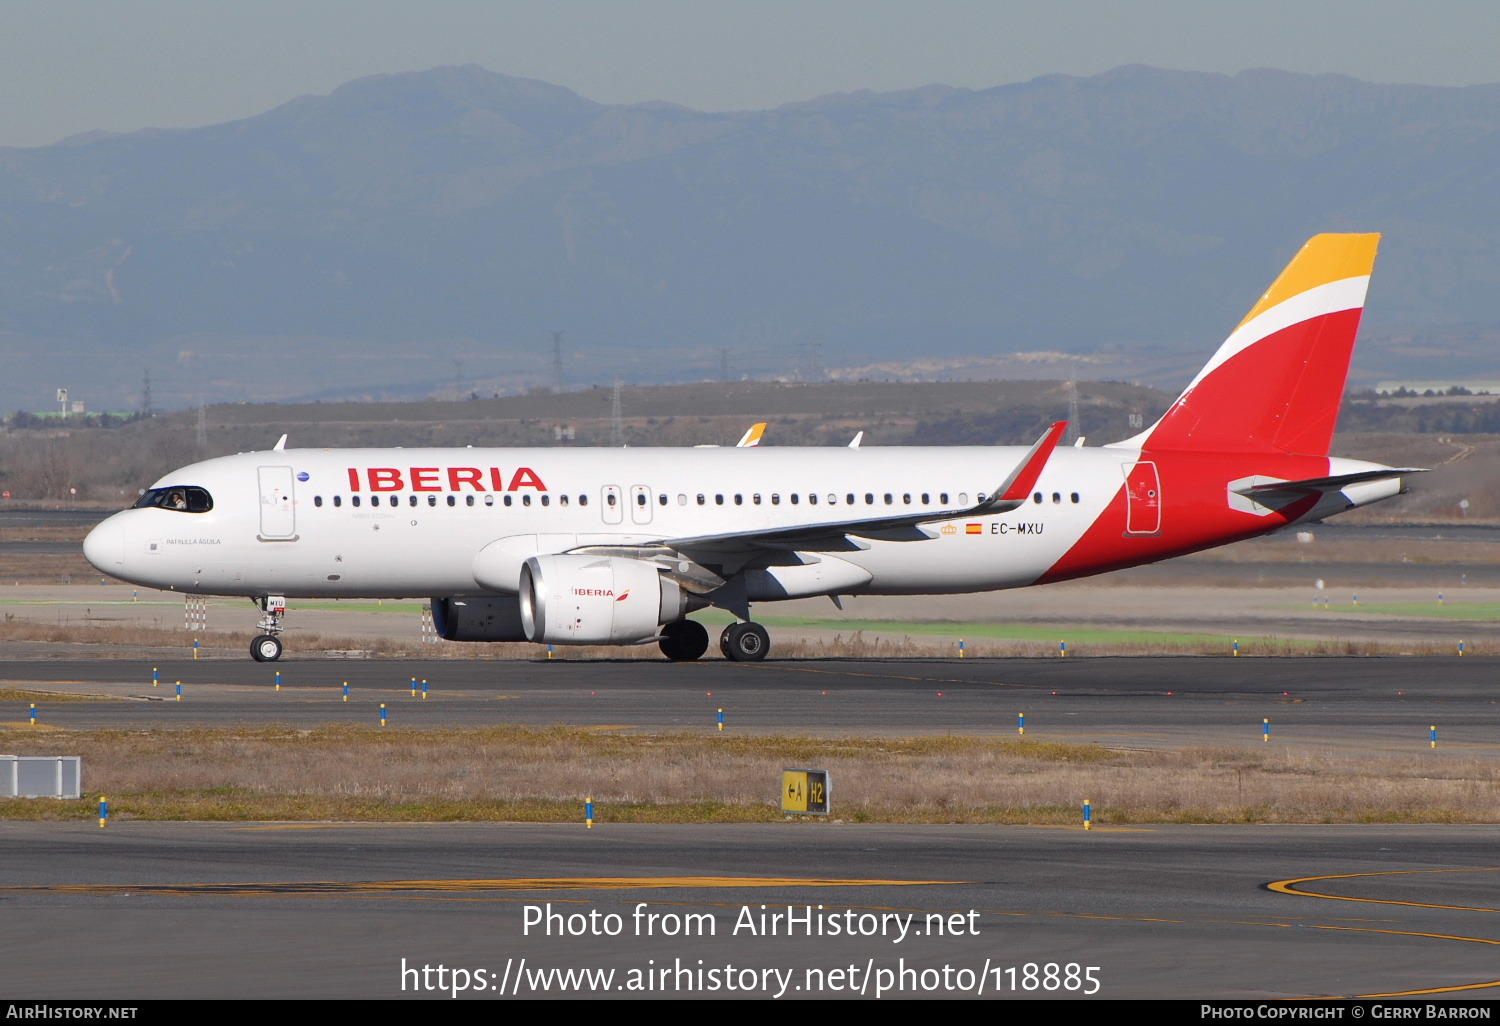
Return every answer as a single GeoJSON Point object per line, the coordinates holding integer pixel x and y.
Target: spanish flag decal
{"type": "Point", "coordinates": [973, 529]}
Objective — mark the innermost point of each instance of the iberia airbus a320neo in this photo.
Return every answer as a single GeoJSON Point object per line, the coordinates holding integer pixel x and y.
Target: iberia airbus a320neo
{"type": "Point", "coordinates": [618, 546]}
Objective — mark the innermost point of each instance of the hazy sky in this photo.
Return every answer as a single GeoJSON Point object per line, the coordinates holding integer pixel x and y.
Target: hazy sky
{"type": "Point", "coordinates": [67, 66]}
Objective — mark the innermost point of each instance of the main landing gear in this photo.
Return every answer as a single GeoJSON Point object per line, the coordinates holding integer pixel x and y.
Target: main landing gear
{"type": "Point", "coordinates": [687, 640]}
{"type": "Point", "coordinates": [267, 647]}
{"type": "Point", "coordinates": [683, 641]}
{"type": "Point", "coordinates": [745, 642]}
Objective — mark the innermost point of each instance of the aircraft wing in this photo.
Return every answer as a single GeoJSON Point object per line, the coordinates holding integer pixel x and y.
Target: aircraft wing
{"type": "Point", "coordinates": [837, 534]}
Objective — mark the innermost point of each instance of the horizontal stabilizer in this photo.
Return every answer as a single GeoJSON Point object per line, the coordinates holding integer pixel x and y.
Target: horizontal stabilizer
{"type": "Point", "coordinates": [1324, 485]}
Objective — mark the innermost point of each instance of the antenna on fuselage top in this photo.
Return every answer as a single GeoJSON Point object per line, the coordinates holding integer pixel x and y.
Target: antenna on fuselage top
{"type": "Point", "coordinates": [857, 439]}
{"type": "Point", "coordinates": [280, 444]}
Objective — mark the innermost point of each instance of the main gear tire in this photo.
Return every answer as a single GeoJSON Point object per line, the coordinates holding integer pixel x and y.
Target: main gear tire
{"type": "Point", "coordinates": [745, 642]}
{"type": "Point", "coordinates": [683, 641]}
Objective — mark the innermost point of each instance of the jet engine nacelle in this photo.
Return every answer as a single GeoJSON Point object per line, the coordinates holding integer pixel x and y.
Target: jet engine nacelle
{"type": "Point", "coordinates": [593, 600]}
{"type": "Point", "coordinates": [478, 619]}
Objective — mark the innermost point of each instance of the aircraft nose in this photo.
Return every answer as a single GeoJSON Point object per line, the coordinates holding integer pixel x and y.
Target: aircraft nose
{"type": "Point", "coordinates": [104, 547]}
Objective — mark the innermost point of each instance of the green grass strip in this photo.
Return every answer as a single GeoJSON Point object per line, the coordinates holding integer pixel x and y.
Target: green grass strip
{"type": "Point", "coordinates": [1446, 611]}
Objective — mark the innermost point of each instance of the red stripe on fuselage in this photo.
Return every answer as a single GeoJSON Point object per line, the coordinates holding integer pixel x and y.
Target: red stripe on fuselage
{"type": "Point", "coordinates": [1195, 511]}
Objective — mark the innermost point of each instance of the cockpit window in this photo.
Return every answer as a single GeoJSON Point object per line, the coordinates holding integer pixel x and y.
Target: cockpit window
{"type": "Point", "coordinates": [181, 498]}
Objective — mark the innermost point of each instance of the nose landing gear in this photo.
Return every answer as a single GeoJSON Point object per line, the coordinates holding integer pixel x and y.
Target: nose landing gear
{"type": "Point", "coordinates": [267, 648]}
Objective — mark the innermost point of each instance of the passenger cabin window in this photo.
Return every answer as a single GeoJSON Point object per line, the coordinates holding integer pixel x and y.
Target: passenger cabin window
{"type": "Point", "coordinates": [338, 500]}
{"type": "Point", "coordinates": [354, 500]}
{"type": "Point", "coordinates": [317, 500]}
{"type": "Point", "coordinates": [1075, 497]}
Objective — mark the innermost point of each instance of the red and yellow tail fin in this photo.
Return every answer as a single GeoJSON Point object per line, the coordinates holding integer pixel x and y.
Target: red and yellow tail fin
{"type": "Point", "coordinates": [1276, 382]}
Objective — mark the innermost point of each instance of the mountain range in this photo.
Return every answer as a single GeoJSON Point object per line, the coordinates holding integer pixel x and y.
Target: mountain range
{"type": "Point", "coordinates": [427, 233]}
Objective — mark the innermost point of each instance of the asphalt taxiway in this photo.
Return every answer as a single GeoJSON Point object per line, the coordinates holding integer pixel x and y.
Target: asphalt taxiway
{"type": "Point", "coordinates": [168, 910]}
{"type": "Point", "coordinates": [1133, 702]}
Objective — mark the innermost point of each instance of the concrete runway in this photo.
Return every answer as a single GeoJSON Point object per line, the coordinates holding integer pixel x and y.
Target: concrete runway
{"type": "Point", "coordinates": [1384, 703]}
{"type": "Point", "coordinates": [167, 910]}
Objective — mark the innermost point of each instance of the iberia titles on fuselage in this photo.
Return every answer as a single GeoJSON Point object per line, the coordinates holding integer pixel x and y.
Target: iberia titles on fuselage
{"type": "Point", "coordinates": [618, 546]}
{"type": "Point", "coordinates": [438, 479]}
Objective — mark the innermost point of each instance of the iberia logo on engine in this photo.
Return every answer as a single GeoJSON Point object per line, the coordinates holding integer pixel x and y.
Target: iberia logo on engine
{"type": "Point", "coordinates": [603, 592]}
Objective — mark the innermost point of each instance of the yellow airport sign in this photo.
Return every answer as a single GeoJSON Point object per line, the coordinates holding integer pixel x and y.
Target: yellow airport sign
{"type": "Point", "coordinates": [805, 792]}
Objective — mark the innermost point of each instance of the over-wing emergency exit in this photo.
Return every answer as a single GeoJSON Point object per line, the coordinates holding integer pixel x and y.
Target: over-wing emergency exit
{"type": "Point", "coordinates": [618, 546]}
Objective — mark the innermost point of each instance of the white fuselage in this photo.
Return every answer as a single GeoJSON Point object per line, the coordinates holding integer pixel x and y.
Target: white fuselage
{"type": "Point", "coordinates": [414, 522]}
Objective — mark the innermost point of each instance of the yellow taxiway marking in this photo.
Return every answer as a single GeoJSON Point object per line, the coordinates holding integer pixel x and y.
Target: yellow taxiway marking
{"type": "Point", "coordinates": [1290, 887]}
{"type": "Point", "coordinates": [889, 676]}
{"type": "Point", "coordinates": [304, 826]}
{"type": "Point", "coordinates": [334, 887]}
{"type": "Point", "coordinates": [1414, 933]}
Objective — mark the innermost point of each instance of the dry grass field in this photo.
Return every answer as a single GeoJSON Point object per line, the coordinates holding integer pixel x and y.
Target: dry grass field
{"type": "Point", "coordinates": [546, 774]}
